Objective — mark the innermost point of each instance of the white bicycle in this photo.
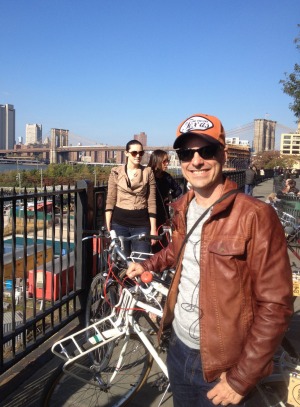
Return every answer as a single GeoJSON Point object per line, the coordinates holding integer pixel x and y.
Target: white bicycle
{"type": "Point", "coordinates": [107, 362]}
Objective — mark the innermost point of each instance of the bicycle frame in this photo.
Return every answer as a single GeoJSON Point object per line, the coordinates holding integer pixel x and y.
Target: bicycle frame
{"type": "Point", "coordinates": [122, 322]}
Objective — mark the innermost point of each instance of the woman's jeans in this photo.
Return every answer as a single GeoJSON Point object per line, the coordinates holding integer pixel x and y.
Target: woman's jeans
{"type": "Point", "coordinates": [134, 245]}
{"type": "Point", "coordinates": [186, 377]}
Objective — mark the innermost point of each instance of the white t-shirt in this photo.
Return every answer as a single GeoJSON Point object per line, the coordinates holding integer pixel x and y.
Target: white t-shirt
{"type": "Point", "coordinates": [186, 320]}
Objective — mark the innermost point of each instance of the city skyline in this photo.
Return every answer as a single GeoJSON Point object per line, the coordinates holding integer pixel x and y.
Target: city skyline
{"type": "Point", "coordinates": [115, 69]}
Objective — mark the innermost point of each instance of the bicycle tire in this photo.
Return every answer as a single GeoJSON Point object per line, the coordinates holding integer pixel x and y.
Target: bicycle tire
{"type": "Point", "coordinates": [273, 392]}
{"type": "Point", "coordinates": [274, 388]}
{"type": "Point", "coordinates": [99, 305]}
{"type": "Point", "coordinates": [70, 391]}
{"type": "Point", "coordinates": [289, 347]}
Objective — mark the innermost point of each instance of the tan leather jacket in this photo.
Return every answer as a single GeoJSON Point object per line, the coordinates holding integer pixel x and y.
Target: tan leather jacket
{"type": "Point", "coordinates": [245, 286]}
{"type": "Point", "coordinates": [139, 194]}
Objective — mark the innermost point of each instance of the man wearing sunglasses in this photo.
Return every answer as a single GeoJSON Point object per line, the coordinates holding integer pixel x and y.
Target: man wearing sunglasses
{"type": "Point", "coordinates": [230, 300]}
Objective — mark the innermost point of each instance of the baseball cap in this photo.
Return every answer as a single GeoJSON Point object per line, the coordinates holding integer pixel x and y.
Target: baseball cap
{"type": "Point", "coordinates": [203, 125]}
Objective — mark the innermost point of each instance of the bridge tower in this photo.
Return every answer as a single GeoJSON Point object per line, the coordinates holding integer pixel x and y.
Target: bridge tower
{"type": "Point", "coordinates": [59, 138]}
{"type": "Point", "coordinates": [264, 135]}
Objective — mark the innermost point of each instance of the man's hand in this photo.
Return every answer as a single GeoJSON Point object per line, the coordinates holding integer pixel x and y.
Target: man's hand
{"type": "Point", "coordinates": [222, 394]}
{"type": "Point", "coordinates": [134, 269]}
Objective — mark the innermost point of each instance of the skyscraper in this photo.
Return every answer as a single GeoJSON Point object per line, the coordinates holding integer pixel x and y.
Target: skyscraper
{"type": "Point", "coordinates": [7, 127]}
{"type": "Point", "coordinates": [33, 134]}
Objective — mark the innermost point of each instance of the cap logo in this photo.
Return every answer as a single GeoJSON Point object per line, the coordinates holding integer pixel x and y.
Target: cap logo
{"type": "Point", "coordinates": [196, 123]}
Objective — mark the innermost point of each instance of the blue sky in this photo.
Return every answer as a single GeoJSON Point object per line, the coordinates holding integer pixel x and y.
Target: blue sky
{"type": "Point", "coordinates": [108, 69]}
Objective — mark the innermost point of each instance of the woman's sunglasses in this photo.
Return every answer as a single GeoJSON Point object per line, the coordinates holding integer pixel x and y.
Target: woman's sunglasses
{"type": "Point", "coordinates": [207, 153]}
{"type": "Point", "coordinates": [135, 153]}
{"type": "Point", "coordinates": [166, 161]}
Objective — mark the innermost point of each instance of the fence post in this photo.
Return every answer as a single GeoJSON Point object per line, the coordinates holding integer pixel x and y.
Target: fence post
{"type": "Point", "coordinates": [84, 253]}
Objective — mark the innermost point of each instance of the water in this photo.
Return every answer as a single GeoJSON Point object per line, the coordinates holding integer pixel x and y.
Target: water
{"type": "Point", "coordinates": [59, 247]}
{"type": "Point", "coordinates": [20, 167]}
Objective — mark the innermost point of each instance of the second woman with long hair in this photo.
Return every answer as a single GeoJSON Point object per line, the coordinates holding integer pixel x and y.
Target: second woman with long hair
{"type": "Point", "coordinates": [166, 189]}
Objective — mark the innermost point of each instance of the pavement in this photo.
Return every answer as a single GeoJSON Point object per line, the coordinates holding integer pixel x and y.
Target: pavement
{"type": "Point", "coordinates": [23, 385]}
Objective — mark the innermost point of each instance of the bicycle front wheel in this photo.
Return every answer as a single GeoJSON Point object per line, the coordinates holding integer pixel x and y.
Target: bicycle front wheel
{"type": "Point", "coordinates": [113, 386]}
{"type": "Point", "coordinates": [99, 305]}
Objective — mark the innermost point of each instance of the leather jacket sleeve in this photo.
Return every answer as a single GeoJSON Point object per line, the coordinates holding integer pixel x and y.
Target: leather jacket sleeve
{"type": "Point", "coordinates": [271, 278]}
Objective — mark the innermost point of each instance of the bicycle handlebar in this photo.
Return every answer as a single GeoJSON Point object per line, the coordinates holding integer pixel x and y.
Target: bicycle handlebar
{"type": "Point", "coordinates": [141, 236]}
{"type": "Point", "coordinates": [112, 234]}
{"type": "Point", "coordinates": [116, 247]}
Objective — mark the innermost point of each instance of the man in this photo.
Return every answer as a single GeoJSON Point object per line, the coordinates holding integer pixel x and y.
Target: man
{"type": "Point", "coordinates": [231, 296]}
{"type": "Point", "coordinates": [250, 176]}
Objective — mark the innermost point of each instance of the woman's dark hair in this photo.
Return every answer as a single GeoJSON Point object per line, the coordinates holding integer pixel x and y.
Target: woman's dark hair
{"type": "Point", "coordinates": [131, 143]}
{"type": "Point", "coordinates": [155, 161]}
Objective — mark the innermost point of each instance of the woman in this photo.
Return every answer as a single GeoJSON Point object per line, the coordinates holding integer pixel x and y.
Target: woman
{"type": "Point", "coordinates": [290, 187]}
{"type": "Point", "coordinates": [130, 204]}
{"type": "Point", "coordinates": [165, 186]}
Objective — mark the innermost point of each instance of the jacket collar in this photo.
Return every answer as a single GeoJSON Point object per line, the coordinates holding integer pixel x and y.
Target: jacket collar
{"type": "Point", "coordinates": [182, 203]}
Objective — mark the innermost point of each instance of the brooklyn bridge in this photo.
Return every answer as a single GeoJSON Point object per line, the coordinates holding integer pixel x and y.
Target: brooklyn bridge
{"type": "Point", "coordinates": [67, 147]}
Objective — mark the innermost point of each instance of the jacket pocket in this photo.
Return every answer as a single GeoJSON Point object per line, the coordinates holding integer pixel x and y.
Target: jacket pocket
{"type": "Point", "coordinates": [225, 259]}
{"type": "Point", "coordinates": [228, 246]}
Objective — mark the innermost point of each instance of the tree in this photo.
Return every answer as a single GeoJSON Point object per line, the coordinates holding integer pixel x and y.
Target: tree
{"type": "Point", "coordinates": [271, 159]}
{"type": "Point", "coordinates": [291, 84]}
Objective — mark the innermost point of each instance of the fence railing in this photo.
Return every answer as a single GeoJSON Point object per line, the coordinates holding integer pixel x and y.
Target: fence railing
{"type": "Point", "coordinates": [291, 205]}
{"type": "Point", "coordinates": [45, 269]}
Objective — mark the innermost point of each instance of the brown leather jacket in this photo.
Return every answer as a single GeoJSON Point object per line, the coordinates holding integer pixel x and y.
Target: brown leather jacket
{"type": "Point", "coordinates": [245, 286]}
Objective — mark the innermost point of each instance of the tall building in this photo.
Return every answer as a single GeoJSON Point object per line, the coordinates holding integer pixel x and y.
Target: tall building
{"type": "Point", "coordinates": [264, 135]}
{"type": "Point", "coordinates": [142, 138]}
{"type": "Point", "coordinates": [7, 127]}
{"type": "Point", "coordinates": [33, 134]}
{"type": "Point", "coordinates": [290, 143]}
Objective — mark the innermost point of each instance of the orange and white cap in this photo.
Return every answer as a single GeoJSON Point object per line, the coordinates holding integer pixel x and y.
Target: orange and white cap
{"type": "Point", "coordinates": [203, 125]}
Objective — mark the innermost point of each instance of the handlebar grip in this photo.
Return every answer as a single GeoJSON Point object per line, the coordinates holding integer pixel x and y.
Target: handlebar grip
{"type": "Point", "coordinates": [154, 237]}
{"type": "Point", "coordinates": [95, 233]}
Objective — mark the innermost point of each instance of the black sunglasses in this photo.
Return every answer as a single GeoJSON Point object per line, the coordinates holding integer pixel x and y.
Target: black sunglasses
{"type": "Point", "coordinates": [135, 153]}
{"type": "Point", "coordinates": [207, 153]}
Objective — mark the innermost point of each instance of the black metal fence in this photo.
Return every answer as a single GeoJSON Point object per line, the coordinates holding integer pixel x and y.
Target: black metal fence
{"type": "Point", "coordinates": [45, 269]}
{"type": "Point", "coordinates": [290, 204]}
